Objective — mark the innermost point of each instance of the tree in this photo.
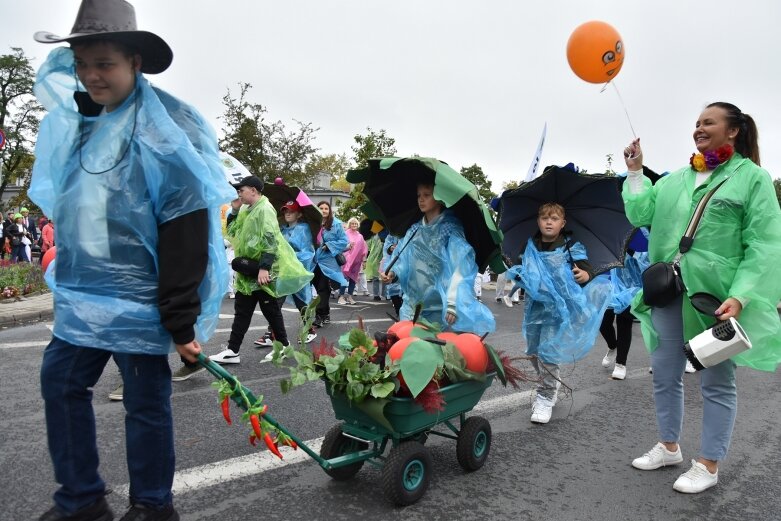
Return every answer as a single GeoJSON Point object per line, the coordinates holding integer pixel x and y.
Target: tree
{"type": "Point", "coordinates": [477, 177]}
{"type": "Point", "coordinates": [509, 185]}
{"type": "Point", "coordinates": [266, 148]}
{"type": "Point", "coordinates": [335, 164]}
{"type": "Point", "coordinates": [609, 170]}
{"type": "Point", "coordinates": [20, 117]}
{"type": "Point", "coordinates": [373, 144]}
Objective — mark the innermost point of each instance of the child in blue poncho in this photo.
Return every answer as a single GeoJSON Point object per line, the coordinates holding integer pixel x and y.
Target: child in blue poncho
{"type": "Point", "coordinates": [436, 268]}
{"type": "Point", "coordinates": [561, 313]}
{"type": "Point", "coordinates": [133, 179]}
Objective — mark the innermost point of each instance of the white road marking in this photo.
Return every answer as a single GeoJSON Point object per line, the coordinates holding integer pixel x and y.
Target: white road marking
{"type": "Point", "coordinates": [13, 345]}
{"type": "Point", "coordinates": [225, 471]}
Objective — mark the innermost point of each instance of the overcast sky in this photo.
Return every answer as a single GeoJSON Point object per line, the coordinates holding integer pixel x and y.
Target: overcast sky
{"type": "Point", "coordinates": [464, 81]}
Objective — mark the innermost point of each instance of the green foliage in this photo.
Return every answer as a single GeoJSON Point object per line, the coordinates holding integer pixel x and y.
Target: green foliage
{"type": "Point", "coordinates": [20, 117]}
{"type": "Point", "coordinates": [266, 148]}
{"type": "Point", "coordinates": [478, 178]}
{"type": "Point", "coordinates": [609, 167]}
{"type": "Point", "coordinates": [20, 279]}
{"type": "Point", "coordinates": [349, 367]}
{"type": "Point", "coordinates": [335, 164]}
{"type": "Point", "coordinates": [510, 185]}
{"type": "Point", "coordinates": [373, 144]}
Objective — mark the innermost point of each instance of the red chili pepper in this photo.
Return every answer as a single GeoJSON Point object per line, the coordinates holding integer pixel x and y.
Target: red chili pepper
{"type": "Point", "coordinates": [253, 440]}
{"type": "Point", "coordinates": [226, 409]}
{"type": "Point", "coordinates": [290, 443]}
{"type": "Point", "coordinates": [255, 420]}
{"type": "Point", "coordinates": [272, 446]}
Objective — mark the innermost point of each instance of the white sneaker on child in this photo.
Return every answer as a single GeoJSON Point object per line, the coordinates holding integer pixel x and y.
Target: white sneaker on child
{"type": "Point", "coordinates": [226, 356]}
{"type": "Point", "coordinates": [657, 457]}
{"type": "Point", "coordinates": [507, 301]}
{"type": "Point", "coordinates": [696, 479]}
{"type": "Point", "coordinates": [619, 372]}
{"type": "Point", "coordinates": [610, 358]}
{"type": "Point", "coordinates": [541, 411]}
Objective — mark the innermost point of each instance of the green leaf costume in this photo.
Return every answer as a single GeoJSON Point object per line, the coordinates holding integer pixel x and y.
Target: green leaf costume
{"type": "Point", "coordinates": [255, 232]}
{"type": "Point", "coordinates": [736, 250]}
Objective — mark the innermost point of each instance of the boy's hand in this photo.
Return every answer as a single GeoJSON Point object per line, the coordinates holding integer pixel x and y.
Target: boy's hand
{"type": "Point", "coordinates": [189, 351]}
{"type": "Point", "coordinates": [581, 276]}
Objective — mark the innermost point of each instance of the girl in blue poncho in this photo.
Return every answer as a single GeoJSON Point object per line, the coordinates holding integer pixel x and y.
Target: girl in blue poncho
{"type": "Point", "coordinates": [436, 268]}
{"type": "Point", "coordinates": [392, 289]}
{"type": "Point", "coordinates": [133, 179]}
{"type": "Point", "coordinates": [331, 241]}
{"type": "Point", "coordinates": [625, 283]}
{"type": "Point", "coordinates": [561, 317]}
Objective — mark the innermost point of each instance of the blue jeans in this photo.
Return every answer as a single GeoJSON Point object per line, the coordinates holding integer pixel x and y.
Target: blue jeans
{"type": "Point", "coordinates": [350, 287]}
{"type": "Point", "coordinates": [719, 392]}
{"type": "Point", "coordinates": [68, 374]}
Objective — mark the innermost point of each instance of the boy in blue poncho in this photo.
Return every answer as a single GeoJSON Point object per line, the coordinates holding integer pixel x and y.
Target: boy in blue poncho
{"type": "Point", "coordinates": [132, 177]}
{"type": "Point", "coordinates": [561, 317]}
{"type": "Point", "coordinates": [436, 268]}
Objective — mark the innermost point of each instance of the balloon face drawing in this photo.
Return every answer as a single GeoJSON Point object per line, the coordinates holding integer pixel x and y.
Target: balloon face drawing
{"type": "Point", "coordinates": [595, 52]}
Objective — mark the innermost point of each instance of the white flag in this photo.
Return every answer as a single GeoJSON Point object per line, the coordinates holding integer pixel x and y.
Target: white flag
{"type": "Point", "coordinates": [536, 161]}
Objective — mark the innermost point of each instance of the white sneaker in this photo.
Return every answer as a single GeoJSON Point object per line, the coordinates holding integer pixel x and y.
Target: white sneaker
{"type": "Point", "coordinates": [541, 412]}
{"type": "Point", "coordinates": [232, 295]}
{"type": "Point", "coordinates": [619, 372]}
{"type": "Point", "coordinates": [265, 341]}
{"type": "Point", "coordinates": [507, 301]}
{"type": "Point", "coordinates": [690, 369]}
{"type": "Point", "coordinates": [350, 299]}
{"type": "Point", "coordinates": [696, 479]}
{"type": "Point", "coordinates": [310, 336]}
{"type": "Point", "coordinates": [226, 357]}
{"type": "Point", "coordinates": [610, 358]}
{"type": "Point", "coordinates": [341, 301]}
{"type": "Point", "coordinates": [657, 457]}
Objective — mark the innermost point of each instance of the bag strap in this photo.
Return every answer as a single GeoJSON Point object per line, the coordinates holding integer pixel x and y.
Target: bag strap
{"type": "Point", "coordinates": [687, 240]}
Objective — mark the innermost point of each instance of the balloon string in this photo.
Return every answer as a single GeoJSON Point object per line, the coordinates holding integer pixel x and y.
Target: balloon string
{"type": "Point", "coordinates": [623, 105]}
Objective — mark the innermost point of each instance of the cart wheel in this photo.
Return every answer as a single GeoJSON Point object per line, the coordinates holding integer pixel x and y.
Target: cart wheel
{"type": "Point", "coordinates": [335, 445]}
{"type": "Point", "coordinates": [407, 473]}
{"type": "Point", "coordinates": [474, 443]}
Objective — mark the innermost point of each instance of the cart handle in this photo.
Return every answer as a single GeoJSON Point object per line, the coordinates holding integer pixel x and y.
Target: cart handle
{"type": "Point", "coordinates": [220, 373]}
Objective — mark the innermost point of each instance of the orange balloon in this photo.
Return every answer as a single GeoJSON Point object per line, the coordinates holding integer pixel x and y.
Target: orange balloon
{"type": "Point", "coordinates": [48, 257]}
{"type": "Point", "coordinates": [595, 52]}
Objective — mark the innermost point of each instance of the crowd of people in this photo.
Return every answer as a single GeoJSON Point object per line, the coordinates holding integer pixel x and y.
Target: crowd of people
{"type": "Point", "coordinates": [132, 177]}
{"type": "Point", "coordinates": [22, 237]}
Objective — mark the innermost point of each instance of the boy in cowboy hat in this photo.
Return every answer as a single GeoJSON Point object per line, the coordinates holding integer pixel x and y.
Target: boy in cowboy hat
{"type": "Point", "coordinates": [132, 177]}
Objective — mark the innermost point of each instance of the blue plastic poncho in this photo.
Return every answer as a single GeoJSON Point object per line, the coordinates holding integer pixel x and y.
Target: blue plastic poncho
{"type": "Point", "coordinates": [437, 268]}
{"type": "Point", "coordinates": [627, 281]}
{"type": "Point", "coordinates": [513, 274]}
{"type": "Point", "coordinates": [300, 239]}
{"type": "Point", "coordinates": [105, 278]}
{"type": "Point", "coordinates": [337, 242]}
{"type": "Point", "coordinates": [392, 289]}
{"type": "Point", "coordinates": [561, 319]}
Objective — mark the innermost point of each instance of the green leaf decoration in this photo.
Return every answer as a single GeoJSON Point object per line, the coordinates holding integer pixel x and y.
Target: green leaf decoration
{"type": "Point", "coordinates": [344, 341]}
{"type": "Point", "coordinates": [497, 362]}
{"type": "Point", "coordinates": [298, 378]}
{"type": "Point", "coordinates": [373, 407]}
{"type": "Point", "coordinates": [382, 390]}
{"type": "Point", "coordinates": [285, 385]}
{"type": "Point", "coordinates": [356, 391]}
{"type": "Point", "coordinates": [331, 363]}
{"type": "Point", "coordinates": [359, 338]}
{"type": "Point", "coordinates": [420, 361]}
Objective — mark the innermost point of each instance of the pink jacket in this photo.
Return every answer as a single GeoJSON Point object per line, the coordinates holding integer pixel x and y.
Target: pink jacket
{"type": "Point", "coordinates": [355, 255]}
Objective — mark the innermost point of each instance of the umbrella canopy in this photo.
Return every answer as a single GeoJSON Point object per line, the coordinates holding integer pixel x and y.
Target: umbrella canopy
{"type": "Point", "coordinates": [281, 194]}
{"type": "Point", "coordinates": [234, 171]}
{"type": "Point", "coordinates": [594, 214]}
{"type": "Point", "coordinates": [391, 187]}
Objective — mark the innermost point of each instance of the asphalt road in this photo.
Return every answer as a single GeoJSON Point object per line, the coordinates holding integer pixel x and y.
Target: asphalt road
{"type": "Point", "coordinates": [575, 468]}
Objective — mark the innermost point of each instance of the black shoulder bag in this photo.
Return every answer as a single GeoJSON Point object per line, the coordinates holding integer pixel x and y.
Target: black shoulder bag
{"type": "Point", "coordinates": [662, 281]}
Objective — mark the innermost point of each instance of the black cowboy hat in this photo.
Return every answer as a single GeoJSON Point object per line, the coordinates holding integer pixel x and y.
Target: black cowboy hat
{"type": "Point", "coordinates": [115, 20]}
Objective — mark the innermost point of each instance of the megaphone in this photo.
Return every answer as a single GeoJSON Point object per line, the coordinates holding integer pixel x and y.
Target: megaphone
{"type": "Point", "coordinates": [723, 340]}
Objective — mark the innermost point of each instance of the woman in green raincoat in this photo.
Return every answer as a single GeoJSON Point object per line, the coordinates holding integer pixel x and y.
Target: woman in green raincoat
{"type": "Point", "coordinates": [734, 257]}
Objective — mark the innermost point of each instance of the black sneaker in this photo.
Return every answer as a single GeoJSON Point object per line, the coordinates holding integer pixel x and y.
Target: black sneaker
{"type": "Point", "coordinates": [317, 322]}
{"type": "Point", "coordinates": [377, 298]}
{"type": "Point", "coordinates": [144, 513]}
{"type": "Point", "coordinates": [327, 319]}
{"type": "Point", "coordinates": [97, 511]}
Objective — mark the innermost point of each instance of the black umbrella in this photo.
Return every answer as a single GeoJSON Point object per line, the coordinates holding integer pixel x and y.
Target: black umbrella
{"type": "Point", "coordinates": [390, 186]}
{"type": "Point", "coordinates": [280, 194]}
{"type": "Point", "coordinates": [594, 213]}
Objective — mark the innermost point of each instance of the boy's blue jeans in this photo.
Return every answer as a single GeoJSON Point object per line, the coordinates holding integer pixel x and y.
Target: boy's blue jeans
{"type": "Point", "coordinates": [719, 392]}
{"type": "Point", "coordinates": [548, 373]}
{"type": "Point", "coordinates": [68, 374]}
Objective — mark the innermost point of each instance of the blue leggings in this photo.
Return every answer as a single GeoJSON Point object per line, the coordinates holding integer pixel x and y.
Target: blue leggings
{"type": "Point", "coordinates": [719, 392]}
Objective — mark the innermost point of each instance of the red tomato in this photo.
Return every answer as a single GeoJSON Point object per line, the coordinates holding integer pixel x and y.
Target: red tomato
{"type": "Point", "coordinates": [474, 352]}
